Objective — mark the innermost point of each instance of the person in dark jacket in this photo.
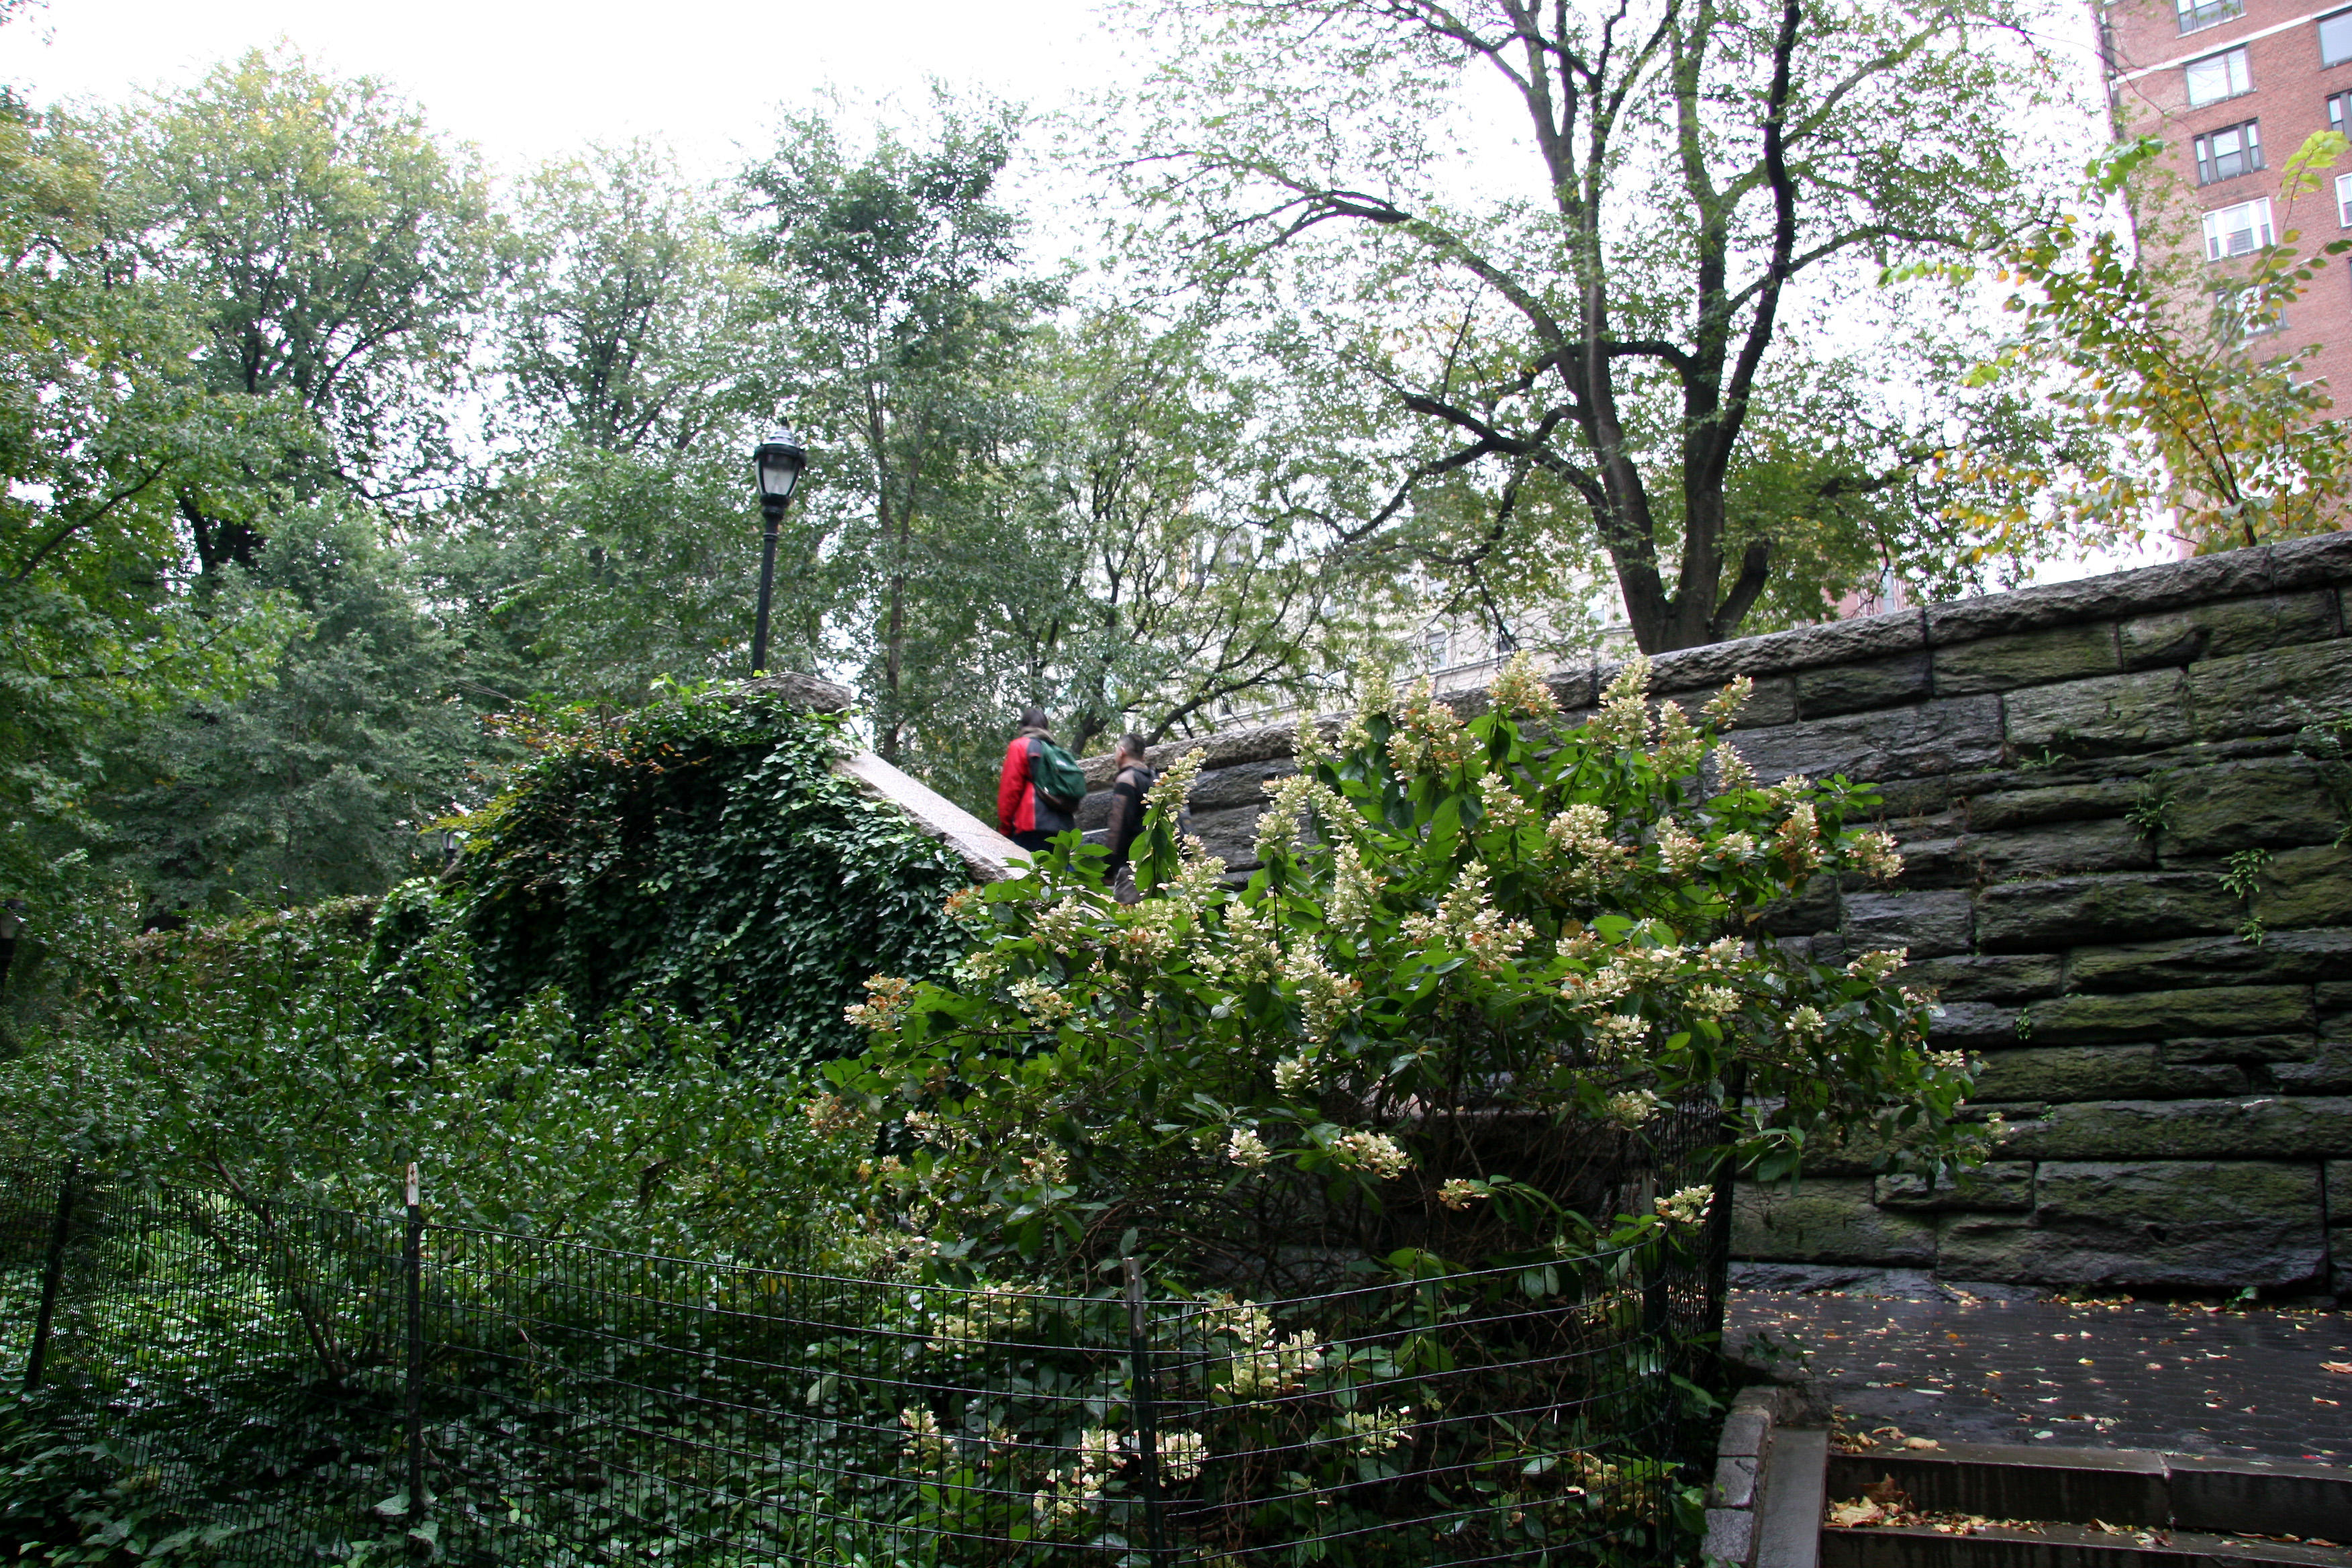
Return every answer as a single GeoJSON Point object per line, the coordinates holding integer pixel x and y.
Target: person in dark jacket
{"type": "Point", "coordinates": [1130, 779]}
{"type": "Point", "coordinates": [1023, 816]}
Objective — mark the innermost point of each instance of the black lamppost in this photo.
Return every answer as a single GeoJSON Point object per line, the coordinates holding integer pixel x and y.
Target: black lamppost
{"type": "Point", "coordinates": [778, 461]}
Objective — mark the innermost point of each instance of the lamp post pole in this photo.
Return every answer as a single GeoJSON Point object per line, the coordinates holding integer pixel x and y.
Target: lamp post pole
{"type": "Point", "coordinates": [779, 462]}
{"type": "Point", "coordinates": [774, 512]}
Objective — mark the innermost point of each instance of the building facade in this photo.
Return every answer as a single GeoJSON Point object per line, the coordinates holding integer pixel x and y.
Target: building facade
{"type": "Point", "coordinates": [2234, 87]}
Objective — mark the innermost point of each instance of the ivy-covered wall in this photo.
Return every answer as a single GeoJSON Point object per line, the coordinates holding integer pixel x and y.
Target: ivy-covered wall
{"type": "Point", "coordinates": [707, 852]}
{"type": "Point", "coordinates": [2124, 803]}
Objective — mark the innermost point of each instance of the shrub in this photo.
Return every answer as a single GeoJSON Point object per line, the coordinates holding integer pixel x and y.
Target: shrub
{"type": "Point", "coordinates": [1480, 967]}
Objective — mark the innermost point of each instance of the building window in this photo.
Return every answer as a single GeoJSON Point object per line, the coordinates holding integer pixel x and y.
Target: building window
{"type": "Point", "coordinates": [2245, 314]}
{"type": "Point", "coordinates": [2196, 14]}
{"type": "Point", "coordinates": [2226, 153]}
{"type": "Point", "coordinates": [2217, 77]}
{"type": "Point", "coordinates": [2343, 201]}
{"type": "Point", "coordinates": [2339, 112]}
{"type": "Point", "coordinates": [2235, 230]}
{"type": "Point", "coordinates": [2335, 38]}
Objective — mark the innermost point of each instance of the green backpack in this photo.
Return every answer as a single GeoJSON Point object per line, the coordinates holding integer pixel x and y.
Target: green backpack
{"type": "Point", "coordinates": [1061, 782]}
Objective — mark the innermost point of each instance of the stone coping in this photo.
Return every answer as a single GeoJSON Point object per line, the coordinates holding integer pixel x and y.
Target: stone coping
{"type": "Point", "coordinates": [2295, 564]}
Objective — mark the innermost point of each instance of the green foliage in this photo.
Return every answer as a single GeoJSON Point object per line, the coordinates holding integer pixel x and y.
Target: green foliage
{"type": "Point", "coordinates": [1632, 348]}
{"type": "Point", "coordinates": [333, 252]}
{"type": "Point", "coordinates": [313, 784]}
{"type": "Point", "coordinates": [590, 1034]}
{"type": "Point", "coordinates": [895, 268]}
{"type": "Point", "coordinates": [703, 855]}
{"type": "Point", "coordinates": [2205, 427]}
{"type": "Point", "coordinates": [2244, 879]}
{"type": "Point", "coordinates": [1504, 954]}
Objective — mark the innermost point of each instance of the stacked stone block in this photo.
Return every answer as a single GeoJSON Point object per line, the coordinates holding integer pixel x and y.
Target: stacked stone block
{"type": "Point", "coordinates": [2124, 806]}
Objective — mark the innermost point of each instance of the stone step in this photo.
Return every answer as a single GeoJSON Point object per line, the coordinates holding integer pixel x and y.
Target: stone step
{"type": "Point", "coordinates": [2116, 1486]}
{"type": "Point", "coordinates": [2057, 1546]}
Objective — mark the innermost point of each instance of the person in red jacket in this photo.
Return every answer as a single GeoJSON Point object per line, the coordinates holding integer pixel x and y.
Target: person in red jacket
{"type": "Point", "coordinates": [1023, 816]}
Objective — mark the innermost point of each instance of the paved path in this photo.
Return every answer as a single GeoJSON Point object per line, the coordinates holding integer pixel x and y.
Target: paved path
{"type": "Point", "coordinates": [2136, 1375]}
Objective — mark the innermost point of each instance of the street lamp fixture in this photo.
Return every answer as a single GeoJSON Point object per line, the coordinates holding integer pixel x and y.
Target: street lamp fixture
{"type": "Point", "coordinates": [779, 462]}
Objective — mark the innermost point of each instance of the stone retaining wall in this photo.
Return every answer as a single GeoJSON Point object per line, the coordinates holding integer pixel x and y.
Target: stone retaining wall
{"type": "Point", "coordinates": [2071, 770]}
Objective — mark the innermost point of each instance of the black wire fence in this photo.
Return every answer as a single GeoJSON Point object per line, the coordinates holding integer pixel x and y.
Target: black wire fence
{"type": "Point", "coordinates": [267, 1384]}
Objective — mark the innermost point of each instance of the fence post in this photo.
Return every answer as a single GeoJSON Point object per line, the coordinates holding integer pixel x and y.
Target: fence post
{"type": "Point", "coordinates": [53, 1273]}
{"type": "Point", "coordinates": [413, 1272]}
{"type": "Point", "coordinates": [1146, 1413]}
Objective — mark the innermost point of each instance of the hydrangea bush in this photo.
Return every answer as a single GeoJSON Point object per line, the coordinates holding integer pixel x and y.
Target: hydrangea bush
{"type": "Point", "coordinates": [1481, 962]}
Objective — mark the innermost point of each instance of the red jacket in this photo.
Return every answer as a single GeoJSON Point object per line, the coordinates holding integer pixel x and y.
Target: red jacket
{"type": "Point", "coordinates": [1016, 795]}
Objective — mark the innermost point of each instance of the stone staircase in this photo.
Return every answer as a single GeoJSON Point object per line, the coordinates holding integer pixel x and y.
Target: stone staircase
{"type": "Point", "coordinates": [1783, 1497]}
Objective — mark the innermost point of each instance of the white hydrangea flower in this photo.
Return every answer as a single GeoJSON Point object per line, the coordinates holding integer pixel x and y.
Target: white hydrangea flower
{"type": "Point", "coordinates": [1632, 1107]}
{"type": "Point", "coordinates": [1373, 1152]}
{"type": "Point", "coordinates": [1687, 1207]}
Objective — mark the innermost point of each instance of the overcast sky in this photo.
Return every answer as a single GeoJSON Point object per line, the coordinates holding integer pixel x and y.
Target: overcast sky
{"type": "Point", "coordinates": [527, 81]}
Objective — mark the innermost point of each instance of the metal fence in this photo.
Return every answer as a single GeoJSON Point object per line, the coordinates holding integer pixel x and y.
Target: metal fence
{"type": "Point", "coordinates": [271, 1384]}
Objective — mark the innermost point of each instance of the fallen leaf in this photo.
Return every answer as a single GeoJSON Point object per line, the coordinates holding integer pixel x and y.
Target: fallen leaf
{"type": "Point", "coordinates": [1921, 1442]}
{"type": "Point", "coordinates": [1847, 1515]}
{"type": "Point", "coordinates": [1887, 1495]}
{"type": "Point", "coordinates": [2343, 1366]}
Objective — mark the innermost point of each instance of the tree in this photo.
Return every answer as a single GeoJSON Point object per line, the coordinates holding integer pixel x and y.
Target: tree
{"type": "Point", "coordinates": [612, 545]}
{"type": "Point", "coordinates": [2203, 423]}
{"type": "Point", "coordinates": [894, 274]}
{"type": "Point", "coordinates": [334, 252]}
{"type": "Point", "coordinates": [1612, 343]}
{"type": "Point", "coordinates": [100, 423]}
{"type": "Point", "coordinates": [1187, 585]}
{"type": "Point", "coordinates": [318, 783]}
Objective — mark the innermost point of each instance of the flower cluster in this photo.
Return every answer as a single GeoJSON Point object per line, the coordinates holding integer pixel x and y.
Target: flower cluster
{"type": "Point", "coordinates": [1687, 1207]}
{"type": "Point", "coordinates": [1247, 1148]}
{"type": "Point", "coordinates": [1040, 1001]}
{"type": "Point", "coordinates": [1624, 715]}
{"type": "Point", "coordinates": [1876, 966]}
{"type": "Point", "coordinates": [1293, 796]}
{"type": "Point", "coordinates": [1326, 996]}
{"type": "Point", "coordinates": [1070, 1491]}
{"type": "Point", "coordinates": [829, 1113]}
{"type": "Point", "coordinates": [1678, 852]}
{"type": "Point", "coordinates": [1680, 743]}
{"type": "Point", "coordinates": [1430, 737]}
{"type": "Point", "coordinates": [1581, 836]}
{"type": "Point", "coordinates": [1373, 1152]}
{"type": "Point", "coordinates": [1519, 690]}
{"type": "Point", "coordinates": [1466, 920]}
{"type": "Point", "coordinates": [987, 1312]}
{"type": "Point", "coordinates": [1874, 852]}
{"type": "Point", "coordinates": [1801, 838]}
{"type": "Point", "coordinates": [885, 1004]}
{"type": "Point", "coordinates": [928, 1444]}
{"type": "Point", "coordinates": [1632, 1107]}
{"type": "Point", "coordinates": [1459, 1192]}
{"type": "Point", "coordinates": [1181, 1455]}
{"type": "Point", "coordinates": [1049, 1166]}
{"type": "Point", "coordinates": [1355, 891]}
{"type": "Point", "coordinates": [1725, 705]}
{"type": "Point", "coordinates": [1173, 787]}
{"type": "Point", "coordinates": [1375, 1431]}
{"type": "Point", "coordinates": [1507, 811]}
{"type": "Point", "coordinates": [1248, 954]}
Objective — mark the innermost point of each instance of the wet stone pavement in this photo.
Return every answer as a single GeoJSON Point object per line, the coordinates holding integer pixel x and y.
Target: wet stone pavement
{"type": "Point", "coordinates": [2176, 1377]}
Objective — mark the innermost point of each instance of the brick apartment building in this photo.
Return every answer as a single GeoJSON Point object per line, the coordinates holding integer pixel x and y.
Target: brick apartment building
{"type": "Point", "coordinates": [2234, 87]}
